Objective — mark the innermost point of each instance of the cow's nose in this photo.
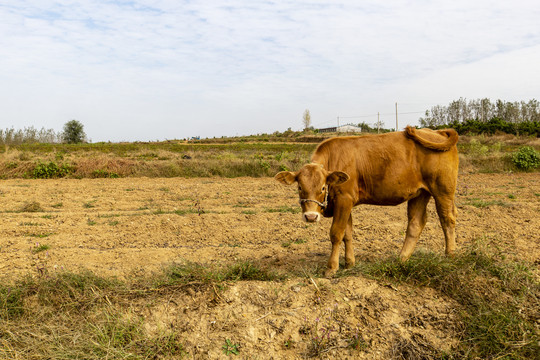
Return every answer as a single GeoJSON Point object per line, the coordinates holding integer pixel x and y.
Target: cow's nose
{"type": "Point", "coordinates": [311, 217]}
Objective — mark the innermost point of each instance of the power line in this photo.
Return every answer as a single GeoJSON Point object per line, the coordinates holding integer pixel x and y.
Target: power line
{"type": "Point", "coordinates": [368, 116]}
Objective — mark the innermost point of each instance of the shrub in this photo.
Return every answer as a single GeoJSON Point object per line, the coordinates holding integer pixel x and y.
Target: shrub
{"type": "Point", "coordinates": [526, 158]}
{"type": "Point", "coordinates": [51, 170]}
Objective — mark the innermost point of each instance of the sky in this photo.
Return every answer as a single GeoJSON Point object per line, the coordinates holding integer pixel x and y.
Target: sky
{"type": "Point", "coordinates": [147, 70]}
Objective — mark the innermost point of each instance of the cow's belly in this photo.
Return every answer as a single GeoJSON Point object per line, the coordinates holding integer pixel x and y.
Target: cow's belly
{"type": "Point", "coordinates": [388, 196]}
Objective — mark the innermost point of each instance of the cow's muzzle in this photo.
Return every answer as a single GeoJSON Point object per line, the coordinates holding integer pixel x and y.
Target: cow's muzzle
{"type": "Point", "coordinates": [311, 216]}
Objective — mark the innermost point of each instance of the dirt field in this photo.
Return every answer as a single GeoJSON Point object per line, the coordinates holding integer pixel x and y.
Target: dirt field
{"type": "Point", "coordinates": [136, 226]}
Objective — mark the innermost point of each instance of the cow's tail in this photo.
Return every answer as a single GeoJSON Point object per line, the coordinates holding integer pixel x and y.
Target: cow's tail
{"type": "Point", "coordinates": [450, 134]}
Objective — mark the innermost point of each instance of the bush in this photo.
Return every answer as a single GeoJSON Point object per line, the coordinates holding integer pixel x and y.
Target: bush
{"type": "Point", "coordinates": [51, 170]}
{"type": "Point", "coordinates": [526, 158]}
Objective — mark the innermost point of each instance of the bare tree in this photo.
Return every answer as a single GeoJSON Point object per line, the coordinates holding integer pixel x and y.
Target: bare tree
{"type": "Point", "coordinates": [306, 118]}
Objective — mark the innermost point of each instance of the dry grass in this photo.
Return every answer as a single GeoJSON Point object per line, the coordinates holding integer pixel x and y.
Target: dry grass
{"type": "Point", "coordinates": [220, 157]}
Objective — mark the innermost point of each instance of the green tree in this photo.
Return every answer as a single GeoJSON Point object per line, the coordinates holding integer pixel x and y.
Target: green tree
{"type": "Point", "coordinates": [73, 132]}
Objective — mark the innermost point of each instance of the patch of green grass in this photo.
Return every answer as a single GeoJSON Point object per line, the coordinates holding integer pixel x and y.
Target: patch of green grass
{"type": "Point", "coordinates": [498, 299]}
{"type": "Point", "coordinates": [40, 235]}
{"type": "Point", "coordinates": [248, 212]}
{"type": "Point", "coordinates": [193, 273]}
{"type": "Point", "coordinates": [481, 203]}
{"type": "Point", "coordinates": [89, 204]}
{"type": "Point", "coordinates": [100, 173]}
{"type": "Point", "coordinates": [40, 248]}
{"type": "Point", "coordinates": [33, 206]}
{"type": "Point", "coordinates": [284, 209]}
{"type": "Point", "coordinates": [287, 244]}
{"type": "Point", "coordinates": [183, 212]}
{"type": "Point", "coordinates": [11, 302]}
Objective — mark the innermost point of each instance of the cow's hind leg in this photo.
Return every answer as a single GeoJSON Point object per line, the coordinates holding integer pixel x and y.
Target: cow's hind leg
{"type": "Point", "coordinates": [416, 212]}
{"type": "Point", "coordinates": [446, 209]}
{"type": "Point", "coordinates": [347, 239]}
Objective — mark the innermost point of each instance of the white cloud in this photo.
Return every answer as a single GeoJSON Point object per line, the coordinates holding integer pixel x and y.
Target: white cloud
{"type": "Point", "coordinates": [136, 70]}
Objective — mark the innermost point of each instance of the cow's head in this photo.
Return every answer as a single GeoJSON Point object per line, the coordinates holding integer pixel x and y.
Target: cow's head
{"type": "Point", "coordinates": [313, 182]}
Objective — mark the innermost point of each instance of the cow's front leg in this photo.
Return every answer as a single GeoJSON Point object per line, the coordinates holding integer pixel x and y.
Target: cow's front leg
{"type": "Point", "coordinates": [337, 231]}
{"type": "Point", "coordinates": [347, 239]}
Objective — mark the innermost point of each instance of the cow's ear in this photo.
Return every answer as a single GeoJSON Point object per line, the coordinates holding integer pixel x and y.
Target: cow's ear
{"type": "Point", "coordinates": [337, 177]}
{"type": "Point", "coordinates": [286, 177]}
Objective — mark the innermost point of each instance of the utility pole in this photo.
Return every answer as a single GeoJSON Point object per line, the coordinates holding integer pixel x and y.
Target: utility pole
{"type": "Point", "coordinates": [396, 119]}
{"type": "Point", "coordinates": [378, 121]}
{"type": "Point", "coordinates": [337, 129]}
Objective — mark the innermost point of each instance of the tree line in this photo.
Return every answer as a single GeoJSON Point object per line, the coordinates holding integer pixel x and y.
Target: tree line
{"type": "Point", "coordinates": [72, 133]}
{"type": "Point", "coordinates": [483, 116]}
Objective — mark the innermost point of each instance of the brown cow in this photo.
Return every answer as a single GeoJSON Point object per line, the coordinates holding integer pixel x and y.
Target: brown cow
{"type": "Point", "coordinates": [388, 169]}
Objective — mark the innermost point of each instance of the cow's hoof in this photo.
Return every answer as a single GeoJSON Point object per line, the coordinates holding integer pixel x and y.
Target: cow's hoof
{"type": "Point", "coordinates": [349, 265]}
{"type": "Point", "coordinates": [330, 273]}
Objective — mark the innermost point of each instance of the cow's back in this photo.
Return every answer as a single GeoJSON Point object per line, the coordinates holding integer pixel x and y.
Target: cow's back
{"type": "Point", "coordinates": [389, 168]}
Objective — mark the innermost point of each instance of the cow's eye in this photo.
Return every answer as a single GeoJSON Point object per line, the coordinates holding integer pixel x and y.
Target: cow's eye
{"type": "Point", "coordinates": [323, 188]}
{"type": "Point", "coordinates": [299, 188]}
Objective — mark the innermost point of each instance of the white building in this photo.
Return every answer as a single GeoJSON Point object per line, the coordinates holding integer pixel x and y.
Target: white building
{"type": "Point", "coordinates": [348, 128]}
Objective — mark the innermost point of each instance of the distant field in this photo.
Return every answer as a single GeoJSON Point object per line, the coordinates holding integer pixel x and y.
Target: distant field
{"type": "Point", "coordinates": [249, 156]}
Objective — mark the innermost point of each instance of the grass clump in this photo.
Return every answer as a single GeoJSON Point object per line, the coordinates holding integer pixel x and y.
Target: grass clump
{"type": "Point", "coordinates": [31, 207]}
{"type": "Point", "coordinates": [499, 299]}
{"type": "Point", "coordinates": [196, 274]}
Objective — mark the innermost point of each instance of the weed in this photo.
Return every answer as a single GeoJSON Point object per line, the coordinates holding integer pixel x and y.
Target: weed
{"type": "Point", "coordinates": [480, 203]}
{"type": "Point", "coordinates": [248, 212]}
{"type": "Point", "coordinates": [89, 204]}
{"type": "Point", "coordinates": [357, 342]}
{"type": "Point", "coordinates": [230, 348]}
{"type": "Point", "coordinates": [289, 343]}
{"type": "Point", "coordinates": [57, 205]}
{"type": "Point", "coordinates": [248, 271]}
{"type": "Point", "coordinates": [39, 234]}
{"type": "Point", "coordinates": [193, 273]}
{"type": "Point", "coordinates": [323, 336]}
{"type": "Point", "coordinates": [39, 248]}
{"type": "Point", "coordinates": [91, 222]}
{"type": "Point", "coordinates": [33, 206]}
{"type": "Point", "coordinates": [99, 173]}
{"type": "Point", "coordinates": [51, 170]}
